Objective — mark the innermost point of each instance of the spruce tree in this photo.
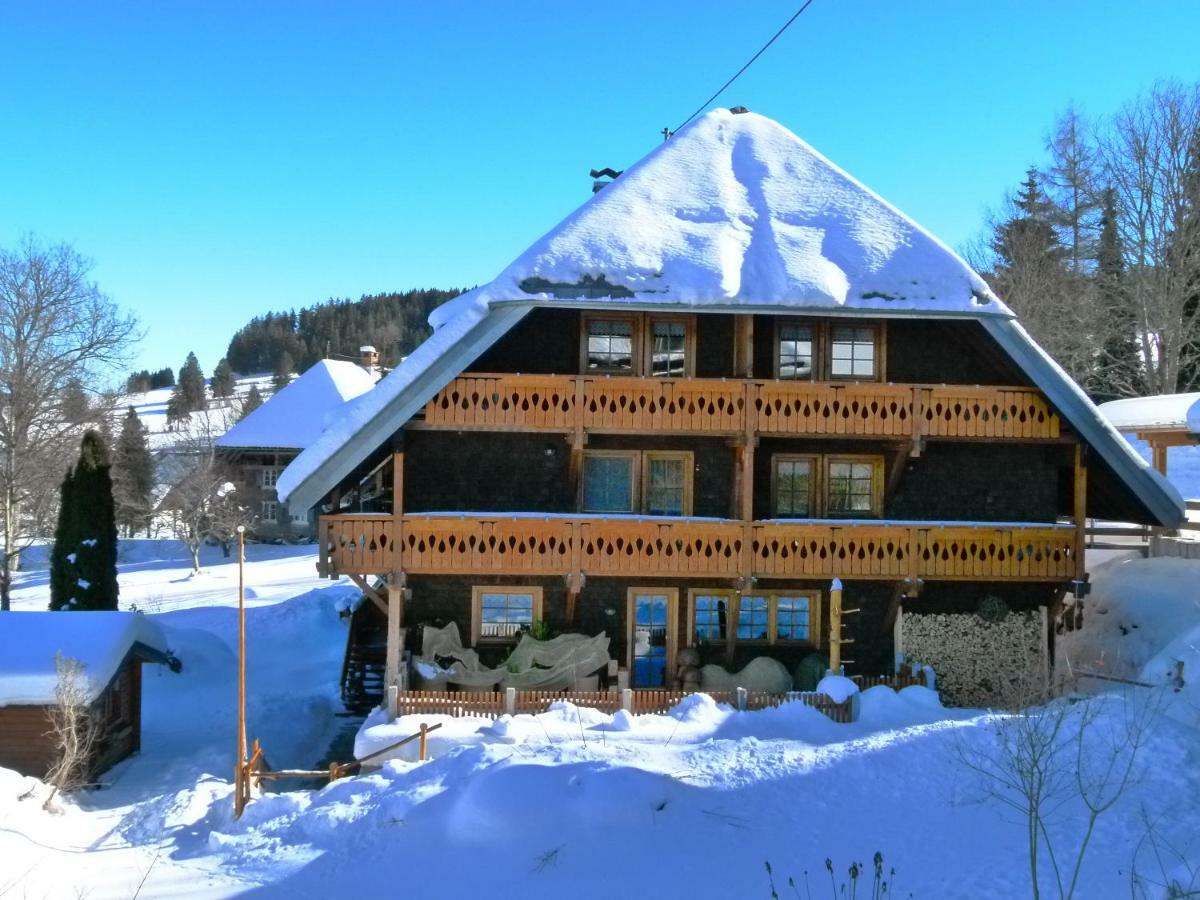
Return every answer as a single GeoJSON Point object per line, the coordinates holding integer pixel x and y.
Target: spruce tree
{"type": "Point", "coordinates": [84, 560]}
{"type": "Point", "coordinates": [222, 380]}
{"type": "Point", "coordinates": [133, 475]}
{"type": "Point", "coordinates": [284, 367]}
{"type": "Point", "coordinates": [252, 402]}
{"type": "Point", "coordinates": [1119, 363]}
{"type": "Point", "coordinates": [191, 384]}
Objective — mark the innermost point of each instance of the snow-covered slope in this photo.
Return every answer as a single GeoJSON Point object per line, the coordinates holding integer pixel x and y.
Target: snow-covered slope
{"type": "Point", "coordinates": [151, 408]}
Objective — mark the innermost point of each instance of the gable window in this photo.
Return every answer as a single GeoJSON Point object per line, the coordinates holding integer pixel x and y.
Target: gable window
{"type": "Point", "coordinates": [268, 477]}
{"type": "Point", "coordinates": [668, 485]}
{"type": "Point", "coordinates": [653, 482]}
{"type": "Point", "coordinates": [609, 482]}
{"type": "Point", "coordinates": [794, 481]}
{"type": "Point", "coordinates": [668, 348]}
{"type": "Point", "coordinates": [794, 359]}
{"type": "Point", "coordinates": [852, 351]}
{"type": "Point", "coordinates": [853, 485]}
{"type": "Point", "coordinates": [500, 613]}
{"type": "Point", "coordinates": [610, 344]}
{"type": "Point", "coordinates": [710, 614]}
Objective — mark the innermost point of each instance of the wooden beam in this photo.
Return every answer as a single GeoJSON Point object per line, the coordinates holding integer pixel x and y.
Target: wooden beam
{"type": "Point", "coordinates": [1080, 511]}
{"type": "Point", "coordinates": [889, 617]}
{"type": "Point", "coordinates": [395, 623]}
{"type": "Point", "coordinates": [835, 627]}
{"type": "Point", "coordinates": [743, 346]}
{"type": "Point", "coordinates": [899, 459]}
{"type": "Point", "coordinates": [370, 593]}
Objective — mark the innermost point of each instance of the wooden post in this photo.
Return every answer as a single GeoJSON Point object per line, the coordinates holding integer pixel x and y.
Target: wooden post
{"type": "Point", "coordinates": [743, 346]}
{"type": "Point", "coordinates": [395, 620]}
{"type": "Point", "coordinates": [835, 627]}
{"type": "Point", "coordinates": [1159, 456]}
{"type": "Point", "coordinates": [397, 501]}
{"type": "Point", "coordinates": [240, 772]}
{"type": "Point", "coordinates": [1080, 511]}
{"type": "Point", "coordinates": [424, 740]}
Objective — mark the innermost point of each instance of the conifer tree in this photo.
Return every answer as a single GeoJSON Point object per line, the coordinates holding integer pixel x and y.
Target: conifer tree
{"type": "Point", "coordinates": [284, 367]}
{"type": "Point", "coordinates": [84, 559]}
{"type": "Point", "coordinates": [1119, 363]}
{"type": "Point", "coordinates": [191, 384]}
{"type": "Point", "coordinates": [222, 380]}
{"type": "Point", "coordinates": [252, 402]}
{"type": "Point", "coordinates": [133, 475]}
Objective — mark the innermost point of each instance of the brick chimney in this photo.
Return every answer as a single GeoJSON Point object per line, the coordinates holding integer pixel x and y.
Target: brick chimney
{"type": "Point", "coordinates": [369, 358]}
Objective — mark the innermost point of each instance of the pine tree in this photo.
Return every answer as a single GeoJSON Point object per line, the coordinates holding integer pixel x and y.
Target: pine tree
{"type": "Point", "coordinates": [284, 367]}
{"type": "Point", "coordinates": [1119, 363]}
{"type": "Point", "coordinates": [191, 384]}
{"type": "Point", "coordinates": [133, 475]}
{"type": "Point", "coordinates": [252, 402]}
{"type": "Point", "coordinates": [222, 383]}
{"type": "Point", "coordinates": [84, 559]}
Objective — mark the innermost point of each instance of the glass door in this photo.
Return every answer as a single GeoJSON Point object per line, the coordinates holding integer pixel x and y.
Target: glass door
{"type": "Point", "coordinates": [651, 636]}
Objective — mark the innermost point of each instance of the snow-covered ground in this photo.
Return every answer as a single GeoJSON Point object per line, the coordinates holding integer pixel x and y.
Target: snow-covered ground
{"type": "Point", "coordinates": [576, 803]}
{"type": "Point", "coordinates": [151, 408]}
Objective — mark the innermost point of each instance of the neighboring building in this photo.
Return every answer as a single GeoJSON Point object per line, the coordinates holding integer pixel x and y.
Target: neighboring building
{"type": "Point", "coordinates": [112, 647]}
{"type": "Point", "coordinates": [732, 376]}
{"type": "Point", "coordinates": [259, 446]}
{"type": "Point", "coordinates": [1166, 430]}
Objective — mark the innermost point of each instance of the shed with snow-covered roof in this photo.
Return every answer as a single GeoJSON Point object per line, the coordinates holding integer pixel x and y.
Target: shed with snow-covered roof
{"type": "Point", "coordinates": [730, 377]}
{"type": "Point", "coordinates": [111, 648]}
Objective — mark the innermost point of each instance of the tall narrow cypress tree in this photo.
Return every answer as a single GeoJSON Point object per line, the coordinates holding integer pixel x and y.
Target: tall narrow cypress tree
{"type": "Point", "coordinates": [84, 573]}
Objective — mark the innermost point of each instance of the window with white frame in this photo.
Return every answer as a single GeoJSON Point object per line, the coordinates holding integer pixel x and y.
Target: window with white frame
{"type": "Point", "coordinates": [268, 511]}
{"type": "Point", "coordinates": [268, 476]}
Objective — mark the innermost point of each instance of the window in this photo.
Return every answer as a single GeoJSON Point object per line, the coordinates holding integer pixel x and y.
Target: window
{"type": "Point", "coordinates": [852, 351]}
{"type": "Point", "coordinates": [652, 625]}
{"type": "Point", "coordinates": [793, 486]}
{"type": "Point", "coordinates": [668, 348]}
{"type": "Point", "coordinates": [710, 616]}
{"type": "Point", "coordinates": [610, 344]}
{"type": "Point", "coordinates": [667, 490]}
{"type": "Point", "coordinates": [638, 344]}
{"type": "Point", "coordinates": [853, 485]}
{"type": "Point", "coordinates": [754, 618]}
{"type": "Point", "coordinates": [268, 510]}
{"type": "Point", "coordinates": [608, 482]}
{"type": "Point", "coordinates": [300, 516]}
{"type": "Point", "coordinates": [503, 613]}
{"type": "Point", "coordinates": [656, 483]}
{"type": "Point", "coordinates": [795, 352]}
{"type": "Point", "coordinates": [268, 477]}
{"type": "Point", "coordinates": [795, 616]}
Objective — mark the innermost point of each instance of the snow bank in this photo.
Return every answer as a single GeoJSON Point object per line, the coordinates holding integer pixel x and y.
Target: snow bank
{"type": "Point", "coordinates": [99, 640]}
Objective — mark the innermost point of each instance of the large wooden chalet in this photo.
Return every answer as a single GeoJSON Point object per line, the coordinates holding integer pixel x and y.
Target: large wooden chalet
{"type": "Point", "coordinates": [732, 376]}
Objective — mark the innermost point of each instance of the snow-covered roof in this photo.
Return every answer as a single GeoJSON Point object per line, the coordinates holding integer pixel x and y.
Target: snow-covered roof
{"type": "Point", "coordinates": [295, 417]}
{"type": "Point", "coordinates": [733, 213]}
{"type": "Point", "coordinates": [1163, 411]}
{"type": "Point", "coordinates": [99, 640]}
{"type": "Point", "coordinates": [736, 209]}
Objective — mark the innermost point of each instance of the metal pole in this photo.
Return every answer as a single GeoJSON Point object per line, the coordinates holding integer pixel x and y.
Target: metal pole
{"type": "Point", "coordinates": [240, 786]}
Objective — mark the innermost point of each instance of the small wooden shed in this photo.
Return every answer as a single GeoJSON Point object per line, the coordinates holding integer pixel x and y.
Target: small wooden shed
{"type": "Point", "coordinates": [111, 646]}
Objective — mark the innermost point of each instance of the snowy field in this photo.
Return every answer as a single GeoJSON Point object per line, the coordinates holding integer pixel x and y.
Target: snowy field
{"type": "Point", "coordinates": [576, 803]}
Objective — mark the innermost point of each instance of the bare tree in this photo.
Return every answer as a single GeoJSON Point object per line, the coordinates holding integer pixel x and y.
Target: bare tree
{"type": "Point", "coordinates": [1148, 152]}
{"type": "Point", "coordinates": [74, 728]}
{"type": "Point", "coordinates": [203, 503]}
{"type": "Point", "coordinates": [57, 332]}
{"type": "Point", "coordinates": [1071, 183]}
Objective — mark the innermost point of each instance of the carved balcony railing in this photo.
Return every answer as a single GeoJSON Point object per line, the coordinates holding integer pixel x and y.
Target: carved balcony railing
{"type": "Point", "coordinates": [617, 404]}
{"type": "Point", "coordinates": [634, 547]}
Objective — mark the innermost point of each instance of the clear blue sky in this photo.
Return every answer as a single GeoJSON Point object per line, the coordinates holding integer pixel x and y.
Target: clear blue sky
{"type": "Point", "coordinates": [218, 160]}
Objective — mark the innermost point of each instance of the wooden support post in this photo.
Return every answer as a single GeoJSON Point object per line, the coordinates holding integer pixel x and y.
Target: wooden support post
{"type": "Point", "coordinates": [1159, 456]}
{"type": "Point", "coordinates": [395, 621]}
{"type": "Point", "coordinates": [398, 500]}
{"type": "Point", "coordinates": [1080, 511]}
{"type": "Point", "coordinates": [835, 627]}
{"type": "Point", "coordinates": [241, 772]}
{"type": "Point", "coordinates": [743, 346]}
{"type": "Point", "coordinates": [424, 741]}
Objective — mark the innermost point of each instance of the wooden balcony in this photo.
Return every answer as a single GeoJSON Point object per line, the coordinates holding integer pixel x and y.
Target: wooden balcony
{"type": "Point", "coordinates": [618, 404]}
{"type": "Point", "coordinates": [661, 547]}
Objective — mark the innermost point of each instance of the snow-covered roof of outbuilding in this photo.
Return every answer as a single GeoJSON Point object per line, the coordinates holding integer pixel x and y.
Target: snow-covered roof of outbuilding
{"type": "Point", "coordinates": [99, 640]}
{"type": "Point", "coordinates": [736, 209]}
{"type": "Point", "coordinates": [295, 416]}
{"type": "Point", "coordinates": [1162, 411]}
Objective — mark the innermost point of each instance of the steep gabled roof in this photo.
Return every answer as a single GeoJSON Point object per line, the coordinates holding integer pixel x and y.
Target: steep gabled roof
{"type": "Point", "coordinates": [733, 213]}
{"type": "Point", "coordinates": [294, 418]}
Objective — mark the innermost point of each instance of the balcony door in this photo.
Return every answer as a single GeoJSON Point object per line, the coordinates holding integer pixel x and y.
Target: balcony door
{"type": "Point", "coordinates": [652, 627]}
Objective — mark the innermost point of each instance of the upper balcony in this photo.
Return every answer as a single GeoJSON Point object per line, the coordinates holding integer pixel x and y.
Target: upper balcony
{"type": "Point", "coordinates": [717, 406]}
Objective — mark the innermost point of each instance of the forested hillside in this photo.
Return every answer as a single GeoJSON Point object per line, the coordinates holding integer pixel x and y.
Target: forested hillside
{"type": "Point", "coordinates": [292, 341]}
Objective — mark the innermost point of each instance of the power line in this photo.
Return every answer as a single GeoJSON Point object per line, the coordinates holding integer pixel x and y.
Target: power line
{"type": "Point", "coordinates": [761, 51]}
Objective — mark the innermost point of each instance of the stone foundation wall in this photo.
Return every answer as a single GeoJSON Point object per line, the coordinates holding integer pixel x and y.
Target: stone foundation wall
{"type": "Point", "coordinates": [989, 660]}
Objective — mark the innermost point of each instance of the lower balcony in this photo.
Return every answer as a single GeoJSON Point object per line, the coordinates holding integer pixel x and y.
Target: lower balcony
{"type": "Point", "coordinates": [541, 545]}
